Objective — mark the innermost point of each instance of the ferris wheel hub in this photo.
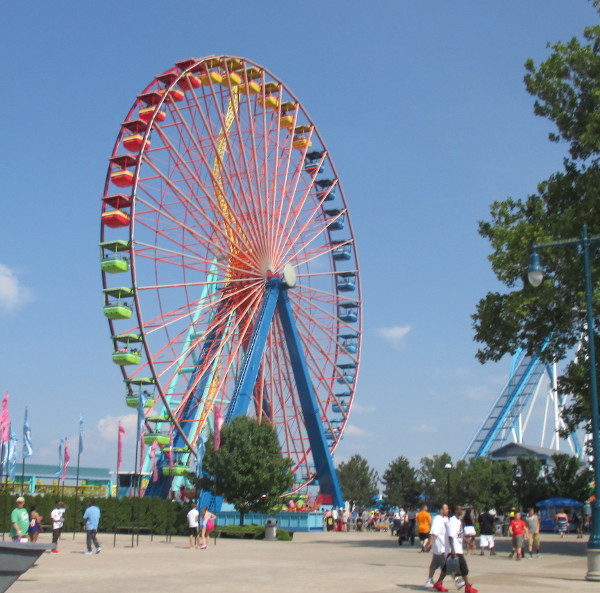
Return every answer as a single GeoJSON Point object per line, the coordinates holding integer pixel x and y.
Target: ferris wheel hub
{"type": "Point", "coordinates": [289, 275]}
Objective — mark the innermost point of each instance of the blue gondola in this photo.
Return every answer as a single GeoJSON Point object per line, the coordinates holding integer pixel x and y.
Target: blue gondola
{"type": "Point", "coordinates": [348, 312]}
{"type": "Point", "coordinates": [340, 219]}
{"type": "Point", "coordinates": [342, 252]}
{"type": "Point", "coordinates": [346, 281]}
{"type": "Point", "coordinates": [349, 343]}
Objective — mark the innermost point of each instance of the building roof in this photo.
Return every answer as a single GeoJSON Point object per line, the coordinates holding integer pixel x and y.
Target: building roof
{"type": "Point", "coordinates": [49, 471]}
{"type": "Point", "coordinates": [521, 449]}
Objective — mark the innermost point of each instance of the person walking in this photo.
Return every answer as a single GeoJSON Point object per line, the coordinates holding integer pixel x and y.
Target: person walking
{"type": "Point", "coordinates": [206, 517]}
{"type": "Point", "coordinates": [58, 520]}
{"type": "Point", "coordinates": [35, 524]}
{"type": "Point", "coordinates": [562, 522]}
{"type": "Point", "coordinates": [455, 540]}
{"type": "Point", "coordinates": [470, 533]}
{"type": "Point", "coordinates": [193, 518]}
{"type": "Point", "coordinates": [19, 521]}
{"type": "Point", "coordinates": [423, 520]}
{"type": "Point", "coordinates": [92, 521]}
{"type": "Point", "coordinates": [533, 527]}
{"type": "Point", "coordinates": [487, 531]}
{"type": "Point", "coordinates": [518, 530]}
{"type": "Point", "coordinates": [439, 545]}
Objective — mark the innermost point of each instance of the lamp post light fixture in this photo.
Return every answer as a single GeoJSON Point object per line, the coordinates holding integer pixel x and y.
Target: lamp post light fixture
{"type": "Point", "coordinates": [536, 277]}
{"type": "Point", "coordinates": [448, 467]}
{"type": "Point", "coordinates": [433, 482]}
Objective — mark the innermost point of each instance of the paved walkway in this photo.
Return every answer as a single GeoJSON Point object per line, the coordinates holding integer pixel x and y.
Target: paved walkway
{"type": "Point", "coordinates": [319, 562]}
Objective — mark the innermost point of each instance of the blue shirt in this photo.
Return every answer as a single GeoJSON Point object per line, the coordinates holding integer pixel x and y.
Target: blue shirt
{"type": "Point", "coordinates": [92, 517]}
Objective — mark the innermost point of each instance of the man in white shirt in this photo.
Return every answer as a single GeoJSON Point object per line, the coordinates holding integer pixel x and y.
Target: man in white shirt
{"type": "Point", "coordinates": [440, 546]}
{"type": "Point", "coordinates": [58, 520]}
{"type": "Point", "coordinates": [193, 517]}
{"type": "Point", "coordinates": [455, 539]}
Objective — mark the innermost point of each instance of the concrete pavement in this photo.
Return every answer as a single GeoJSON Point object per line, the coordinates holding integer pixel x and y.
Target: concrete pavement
{"type": "Point", "coordinates": [328, 562]}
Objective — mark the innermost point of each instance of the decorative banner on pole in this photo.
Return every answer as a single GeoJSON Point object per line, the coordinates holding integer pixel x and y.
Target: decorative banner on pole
{"type": "Point", "coordinates": [171, 452]}
{"type": "Point", "coordinates": [12, 454]}
{"type": "Point", "coordinates": [218, 422]}
{"type": "Point", "coordinates": [200, 454]}
{"type": "Point", "coordinates": [80, 434]}
{"type": "Point", "coordinates": [27, 446]}
{"type": "Point", "coordinates": [120, 448]}
{"type": "Point", "coordinates": [154, 464]}
{"type": "Point", "coordinates": [66, 463]}
{"type": "Point", "coordinates": [61, 461]}
{"type": "Point", "coordinates": [4, 420]}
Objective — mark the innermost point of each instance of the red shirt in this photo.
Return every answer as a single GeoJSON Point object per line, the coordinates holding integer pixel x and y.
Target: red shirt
{"type": "Point", "coordinates": [517, 526]}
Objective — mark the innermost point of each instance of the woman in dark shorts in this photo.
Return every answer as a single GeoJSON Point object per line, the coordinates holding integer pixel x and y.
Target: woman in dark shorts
{"type": "Point", "coordinates": [35, 524]}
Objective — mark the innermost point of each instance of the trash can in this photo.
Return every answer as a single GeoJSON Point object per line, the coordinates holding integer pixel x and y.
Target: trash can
{"type": "Point", "coordinates": [271, 530]}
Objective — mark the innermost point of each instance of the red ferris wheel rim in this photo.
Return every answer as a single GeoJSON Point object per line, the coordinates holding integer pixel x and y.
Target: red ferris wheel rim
{"type": "Point", "coordinates": [220, 198]}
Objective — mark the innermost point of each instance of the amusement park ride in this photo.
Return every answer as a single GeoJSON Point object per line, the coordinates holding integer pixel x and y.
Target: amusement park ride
{"type": "Point", "coordinates": [229, 269]}
{"type": "Point", "coordinates": [531, 388]}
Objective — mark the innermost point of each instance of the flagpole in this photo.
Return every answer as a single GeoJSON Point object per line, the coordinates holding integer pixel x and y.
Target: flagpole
{"type": "Point", "coordinates": [79, 450]}
{"type": "Point", "coordinates": [23, 475]}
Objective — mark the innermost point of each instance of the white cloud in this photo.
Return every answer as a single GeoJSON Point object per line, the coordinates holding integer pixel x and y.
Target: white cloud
{"type": "Point", "coordinates": [107, 426]}
{"type": "Point", "coordinates": [355, 431]}
{"type": "Point", "coordinates": [395, 334]}
{"type": "Point", "coordinates": [425, 428]}
{"type": "Point", "coordinates": [360, 409]}
{"type": "Point", "coordinates": [12, 292]}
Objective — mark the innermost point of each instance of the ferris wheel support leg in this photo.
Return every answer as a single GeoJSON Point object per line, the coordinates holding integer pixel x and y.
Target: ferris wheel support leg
{"type": "Point", "coordinates": [325, 470]}
{"type": "Point", "coordinates": [242, 396]}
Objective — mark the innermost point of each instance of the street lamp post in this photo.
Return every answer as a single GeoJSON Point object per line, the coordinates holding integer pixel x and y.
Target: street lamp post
{"type": "Point", "coordinates": [536, 276]}
{"type": "Point", "coordinates": [448, 467]}
{"type": "Point", "coordinates": [433, 481]}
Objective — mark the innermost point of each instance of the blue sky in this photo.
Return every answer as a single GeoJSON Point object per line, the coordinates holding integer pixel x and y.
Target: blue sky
{"type": "Point", "coordinates": [423, 109]}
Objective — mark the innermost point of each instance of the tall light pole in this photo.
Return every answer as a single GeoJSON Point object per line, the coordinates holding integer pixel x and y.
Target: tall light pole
{"type": "Point", "coordinates": [536, 276]}
{"type": "Point", "coordinates": [433, 481]}
{"type": "Point", "coordinates": [448, 467]}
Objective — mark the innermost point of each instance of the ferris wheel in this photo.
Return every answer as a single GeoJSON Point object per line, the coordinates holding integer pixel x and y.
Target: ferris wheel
{"type": "Point", "coordinates": [229, 267]}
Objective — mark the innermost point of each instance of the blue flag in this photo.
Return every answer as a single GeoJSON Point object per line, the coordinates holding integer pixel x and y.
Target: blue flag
{"type": "Point", "coordinates": [200, 454]}
{"type": "Point", "coordinates": [12, 454]}
{"type": "Point", "coordinates": [27, 446]}
{"type": "Point", "coordinates": [80, 434]}
{"type": "Point", "coordinates": [140, 411]}
{"type": "Point", "coordinates": [61, 459]}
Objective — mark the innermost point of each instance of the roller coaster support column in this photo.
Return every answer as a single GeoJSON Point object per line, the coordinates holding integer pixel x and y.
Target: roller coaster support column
{"type": "Point", "coordinates": [536, 276]}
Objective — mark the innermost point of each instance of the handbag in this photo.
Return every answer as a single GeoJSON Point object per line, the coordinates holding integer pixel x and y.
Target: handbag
{"type": "Point", "coordinates": [452, 565]}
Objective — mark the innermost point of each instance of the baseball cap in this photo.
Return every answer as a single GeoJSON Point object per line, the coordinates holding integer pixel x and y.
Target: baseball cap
{"type": "Point", "coordinates": [20, 499]}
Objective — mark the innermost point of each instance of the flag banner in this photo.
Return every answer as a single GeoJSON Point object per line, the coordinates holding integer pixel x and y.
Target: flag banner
{"type": "Point", "coordinates": [120, 448]}
{"type": "Point", "coordinates": [171, 453]}
{"type": "Point", "coordinates": [27, 446]}
{"type": "Point", "coordinates": [4, 420]}
{"type": "Point", "coordinates": [154, 464]}
{"type": "Point", "coordinates": [12, 454]}
{"type": "Point", "coordinates": [66, 463]}
{"type": "Point", "coordinates": [218, 423]}
{"type": "Point", "coordinates": [140, 414]}
{"type": "Point", "coordinates": [142, 451]}
{"type": "Point", "coordinates": [80, 434]}
{"type": "Point", "coordinates": [200, 454]}
{"type": "Point", "coordinates": [61, 460]}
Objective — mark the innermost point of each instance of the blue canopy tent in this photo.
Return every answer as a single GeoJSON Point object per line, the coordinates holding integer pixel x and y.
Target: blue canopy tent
{"type": "Point", "coordinates": [551, 506]}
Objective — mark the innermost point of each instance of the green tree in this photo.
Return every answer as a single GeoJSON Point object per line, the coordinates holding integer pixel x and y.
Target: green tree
{"type": "Point", "coordinates": [446, 480]}
{"type": "Point", "coordinates": [401, 486]}
{"type": "Point", "coordinates": [248, 469]}
{"type": "Point", "coordinates": [530, 484]}
{"type": "Point", "coordinates": [566, 88]}
{"type": "Point", "coordinates": [489, 484]}
{"type": "Point", "coordinates": [569, 478]}
{"type": "Point", "coordinates": [357, 481]}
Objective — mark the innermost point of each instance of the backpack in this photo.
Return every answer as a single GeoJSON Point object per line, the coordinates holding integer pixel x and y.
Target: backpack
{"type": "Point", "coordinates": [210, 525]}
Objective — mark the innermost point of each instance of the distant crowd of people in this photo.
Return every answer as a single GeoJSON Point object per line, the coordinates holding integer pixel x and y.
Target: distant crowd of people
{"type": "Point", "coordinates": [26, 525]}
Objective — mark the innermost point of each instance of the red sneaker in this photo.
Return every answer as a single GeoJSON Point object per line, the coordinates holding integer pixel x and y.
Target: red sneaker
{"type": "Point", "coordinates": [439, 587]}
{"type": "Point", "coordinates": [471, 589]}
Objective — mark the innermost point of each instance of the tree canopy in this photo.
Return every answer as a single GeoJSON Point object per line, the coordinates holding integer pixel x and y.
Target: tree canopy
{"type": "Point", "coordinates": [357, 481]}
{"type": "Point", "coordinates": [401, 485]}
{"type": "Point", "coordinates": [566, 88]}
{"type": "Point", "coordinates": [247, 470]}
